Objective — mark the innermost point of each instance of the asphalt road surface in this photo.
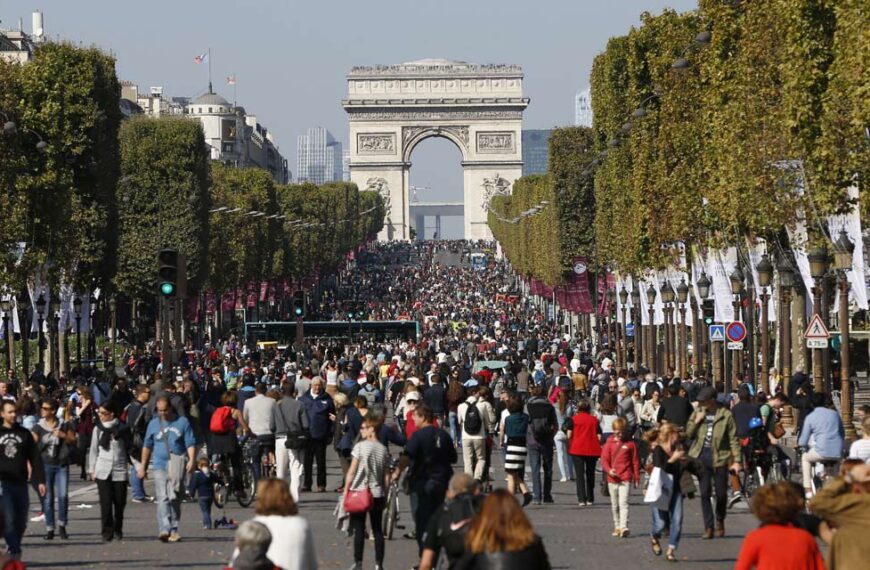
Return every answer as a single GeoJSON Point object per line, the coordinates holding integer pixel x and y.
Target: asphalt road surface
{"type": "Point", "coordinates": [574, 537]}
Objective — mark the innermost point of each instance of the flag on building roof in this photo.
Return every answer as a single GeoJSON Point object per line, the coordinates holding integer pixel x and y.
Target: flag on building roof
{"type": "Point", "coordinates": [231, 80]}
{"type": "Point", "coordinates": [201, 58]}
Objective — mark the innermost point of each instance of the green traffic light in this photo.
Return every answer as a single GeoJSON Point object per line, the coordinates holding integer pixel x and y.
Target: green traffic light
{"type": "Point", "coordinates": [167, 288]}
{"type": "Point", "coordinates": [298, 311]}
{"type": "Point", "coordinates": [708, 320]}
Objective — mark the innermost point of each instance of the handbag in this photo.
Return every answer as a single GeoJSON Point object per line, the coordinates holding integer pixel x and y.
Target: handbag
{"type": "Point", "coordinates": [360, 501]}
{"type": "Point", "coordinates": [296, 440]}
{"type": "Point", "coordinates": [660, 489]}
{"type": "Point", "coordinates": [778, 430]}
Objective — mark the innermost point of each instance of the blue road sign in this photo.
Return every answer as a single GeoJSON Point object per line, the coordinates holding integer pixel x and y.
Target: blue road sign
{"type": "Point", "coordinates": [629, 329]}
{"type": "Point", "coordinates": [717, 333]}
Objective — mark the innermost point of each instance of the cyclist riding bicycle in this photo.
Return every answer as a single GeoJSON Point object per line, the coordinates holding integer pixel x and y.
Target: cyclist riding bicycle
{"type": "Point", "coordinates": [822, 438]}
{"type": "Point", "coordinates": [223, 443]}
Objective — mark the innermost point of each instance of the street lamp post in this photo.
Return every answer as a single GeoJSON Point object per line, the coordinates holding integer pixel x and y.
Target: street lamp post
{"type": "Point", "coordinates": [92, 334]}
{"type": "Point", "coordinates": [55, 346]}
{"type": "Point", "coordinates": [736, 279]}
{"type": "Point", "coordinates": [113, 310]}
{"type": "Point", "coordinates": [623, 300]}
{"type": "Point", "coordinates": [697, 348]}
{"type": "Point", "coordinates": [843, 250]}
{"type": "Point", "coordinates": [765, 277]}
{"type": "Point", "coordinates": [77, 307]}
{"type": "Point", "coordinates": [683, 352]}
{"type": "Point", "coordinates": [703, 285]}
{"type": "Point", "coordinates": [639, 353]}
{"type": "Point", "coordinates": [668, 300]}
{"type": "Point", "coordinates": [818, 258]}
{"type": "Point", "coordinates": [785, 280]}
{"type": "Point", "coordinates": [653, 342]}
{"type": "Point", "coordinates": [40, 339]}
{"type": "Point", "coordinates": [611, 324]}
{"type": "Point", "coordinates": [6, 305]}
{"type": "Point", "coordinates": [25, 338]}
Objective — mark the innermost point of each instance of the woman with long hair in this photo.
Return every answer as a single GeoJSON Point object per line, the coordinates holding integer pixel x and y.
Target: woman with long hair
{"type": "Point", "coordinates": [107, 465]}
{"type": "Point", "coordinates": [292, 541]}
{"type": "Point", "coordinates": [667, 456]}
{"type": "Point", "coordinates": [584, 446]}
{"type": "Point", "coordinates": [55, 440]}
{"type": "Point", "coordinates": [564, 411]}
{"type": "Point", "coordinates": [502, 537]}
{"type": "Point", "coordinates": [513, 432]}
{"type": "Point", "coordinates": [84, 413]}
{"type": "Point", "coordinates": [369, 469]}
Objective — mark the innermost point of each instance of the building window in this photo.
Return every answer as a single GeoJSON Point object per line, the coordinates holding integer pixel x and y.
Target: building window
{"type": "Point", "coordinates": [228, 147]}
{"type": "Point", "coordinates": [209, 109]}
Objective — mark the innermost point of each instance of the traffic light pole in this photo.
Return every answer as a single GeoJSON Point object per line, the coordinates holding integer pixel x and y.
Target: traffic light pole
{"type": "Point", "coordinates": [300, 340]}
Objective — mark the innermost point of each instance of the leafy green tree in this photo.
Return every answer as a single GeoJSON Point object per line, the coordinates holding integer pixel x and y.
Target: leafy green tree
{"type": "Point", "coordinates": [64, 200]}
{"type": "Point", "coordinates": [164, 201]}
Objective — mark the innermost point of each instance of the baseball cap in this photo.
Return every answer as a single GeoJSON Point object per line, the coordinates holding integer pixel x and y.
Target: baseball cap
{"type": "Point", "coordinates": [412, 396]}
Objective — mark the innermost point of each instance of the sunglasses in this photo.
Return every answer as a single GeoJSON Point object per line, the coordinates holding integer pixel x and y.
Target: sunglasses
{"type": "Point", "coordinates": [47, 409]}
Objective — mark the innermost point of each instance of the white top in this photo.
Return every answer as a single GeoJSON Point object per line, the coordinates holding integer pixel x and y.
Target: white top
{"type": "Point", "coordinates": [292, 545]}
{"type": "Point", "coordinates": [487, 417]}
{"type": "Point", "coordinates": [860, 449]}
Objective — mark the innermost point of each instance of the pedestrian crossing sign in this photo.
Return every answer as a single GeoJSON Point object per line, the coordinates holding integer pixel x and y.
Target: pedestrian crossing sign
{"type": "Point", "coordinates": [817, 329]}
{"type": "Point", "coordinates": [717, 333]}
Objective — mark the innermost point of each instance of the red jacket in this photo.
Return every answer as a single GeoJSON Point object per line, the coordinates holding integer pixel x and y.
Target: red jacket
{"type": "Point", "coordinates": [584, 435]}
{"type": "Point", "coordinates": [621, 456]}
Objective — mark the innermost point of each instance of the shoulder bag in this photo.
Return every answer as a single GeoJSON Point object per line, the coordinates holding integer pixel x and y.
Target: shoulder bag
{"type": "Point", "coordinates": [295, 440]}
{"type": "Point", "coordinates": [359, 501]}
{"type": "Point", "coordinates": [174, 467]}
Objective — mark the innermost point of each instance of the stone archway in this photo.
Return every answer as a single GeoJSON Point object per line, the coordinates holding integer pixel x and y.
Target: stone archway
{"type": "Point", "coordinates": [393, 108]}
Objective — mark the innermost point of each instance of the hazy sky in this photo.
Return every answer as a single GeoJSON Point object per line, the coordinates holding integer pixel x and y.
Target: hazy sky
{"type": "Point", "coordinates": [290, 57]}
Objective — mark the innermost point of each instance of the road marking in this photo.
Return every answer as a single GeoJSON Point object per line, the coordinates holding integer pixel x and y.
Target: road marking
{"type": "Point", "coordinates": [83, 491]}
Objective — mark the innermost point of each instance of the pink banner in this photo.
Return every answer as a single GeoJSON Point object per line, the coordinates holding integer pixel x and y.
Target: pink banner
{"type": "Point", "coordinates": [579, 296]}
{"type": "Point", "coordinates": [209, 303]}
{"type": "Point", "coordinates": [264, 291]}
{"type": "Point", "coordinates": [191, 310]}
{"type": "Point", "coordinates": [228, 301]}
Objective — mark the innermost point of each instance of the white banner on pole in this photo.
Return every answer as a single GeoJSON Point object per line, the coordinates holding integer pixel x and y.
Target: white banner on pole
{"type": "Point", "coordinates": [851, 222]}
{"type": "Point", "coordinates": [721, 265]}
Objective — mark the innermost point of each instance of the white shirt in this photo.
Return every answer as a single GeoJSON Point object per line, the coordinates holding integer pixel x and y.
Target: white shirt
{"type": "Point", "coordinates": [860, 449]}
{"type": "Point", "coordinates": [292, 545]}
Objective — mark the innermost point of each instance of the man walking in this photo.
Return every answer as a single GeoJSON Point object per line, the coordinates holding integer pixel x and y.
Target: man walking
{"type": "Point", "coordinates": [476, 420]}
{"type": "Point", "coordinates": [321, 417]}
{"type": "Point", "coordinates": [168, 439]}
{"type": "Point", "coordinates": [543, 425]}
{"type": "Point", "coordinates": [715, 444]}
{"type": "Point", "coordinates": [430, 453]}
{"type": "Point", "coordinates": [290, 422]}
{"type": "Point", "coordinates": [137, 417]}
{"type": "Point", "coordinates": [19, 454]}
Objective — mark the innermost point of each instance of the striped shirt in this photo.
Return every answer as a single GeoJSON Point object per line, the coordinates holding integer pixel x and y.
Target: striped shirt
{"type": "Point", "coordinates": [373, 461]}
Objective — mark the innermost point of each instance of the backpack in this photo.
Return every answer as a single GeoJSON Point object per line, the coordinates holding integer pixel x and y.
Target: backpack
{"type": "Point", "coordinates": [222, 420]}
{"type": "Point", "coordinates": [472, 423]}
{"type": "Point", "coordinates": [455, 523]}
{"type": "Point", "coordinates": [371, 396]}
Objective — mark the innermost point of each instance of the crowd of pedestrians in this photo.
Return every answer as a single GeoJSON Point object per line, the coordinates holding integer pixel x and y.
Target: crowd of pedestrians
{"type": "Point", "coordinates": [471, 419]}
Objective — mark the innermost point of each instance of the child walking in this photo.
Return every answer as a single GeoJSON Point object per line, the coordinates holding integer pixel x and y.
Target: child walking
{"type": "Point", "coordinates": [620, 463]}
{"type": "Point", "coordinates": [202, 488]}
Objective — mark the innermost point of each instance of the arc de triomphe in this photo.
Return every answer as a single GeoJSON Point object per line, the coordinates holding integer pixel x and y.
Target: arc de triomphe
{"type": "Point", "coordinates": [478, 107]}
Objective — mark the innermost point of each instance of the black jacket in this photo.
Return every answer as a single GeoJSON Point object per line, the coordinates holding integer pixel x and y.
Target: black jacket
{"type": "Point", "coordinates": [675, 409]}
{"type": "Point", "coordinates": [533, 556]}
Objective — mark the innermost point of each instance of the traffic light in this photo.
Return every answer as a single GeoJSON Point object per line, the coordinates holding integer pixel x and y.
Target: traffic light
{"type": "Point", "coordinates": [709, 311]}
{"type": "Point", "coordinates": [351, 311]}
{"type": "Point", "coordinates": [299, 304]}
{"type": "Point", "coordinates": [167, 271]}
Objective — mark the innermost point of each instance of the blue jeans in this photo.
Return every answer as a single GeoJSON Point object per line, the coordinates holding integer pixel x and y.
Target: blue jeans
{"type": "Point", "coordinates": [672, 517]}
{"type": "Point", "coordinates": [56, 485]}
{"type": "Point", "coordinates": [205, 510]}
{"type": "Point", "coordinates": [16, 503]}
{"type": "Point", "coordinates": [538, 455]}
{"type": "Point", "coordinates": [168, 510]}
{"type": "Point", "coordinates": [453, 420]}
{"type": "Point", "coordinates": [136, 483]}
